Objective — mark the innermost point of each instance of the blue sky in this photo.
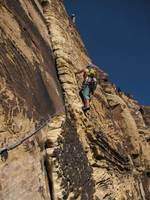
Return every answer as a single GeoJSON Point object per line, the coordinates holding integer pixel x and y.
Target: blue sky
{"type": "Point", "coordinates": [116, 34]}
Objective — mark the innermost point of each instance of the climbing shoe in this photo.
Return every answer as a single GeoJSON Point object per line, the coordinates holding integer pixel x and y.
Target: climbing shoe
{"type": "Point", "coordinates": [84, 108]}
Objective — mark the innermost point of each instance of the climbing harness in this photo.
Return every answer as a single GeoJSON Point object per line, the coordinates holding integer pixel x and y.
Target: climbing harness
{"type": "Point", "coordinates": [91, 82]}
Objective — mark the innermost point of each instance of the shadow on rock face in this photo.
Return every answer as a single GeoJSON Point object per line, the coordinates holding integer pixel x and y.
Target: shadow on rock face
{"type": "Point", "coordinates": [77, 173]}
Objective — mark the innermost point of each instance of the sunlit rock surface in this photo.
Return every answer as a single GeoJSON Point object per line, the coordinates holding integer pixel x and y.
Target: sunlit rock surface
{"type": "Point", "coordinates": [100, 155]}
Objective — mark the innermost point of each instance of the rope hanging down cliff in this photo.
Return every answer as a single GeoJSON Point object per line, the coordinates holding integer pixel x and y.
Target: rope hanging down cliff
{"type": "Point", "coordinates": [4, 151]}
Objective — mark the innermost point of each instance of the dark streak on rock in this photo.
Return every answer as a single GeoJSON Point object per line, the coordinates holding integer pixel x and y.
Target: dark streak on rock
{"type": "Point", "coordinates": [77, 173]}
{"type": "Point", "coordinates": [21, 73]}
{"type": "Point", "coordinates": [111, 155]}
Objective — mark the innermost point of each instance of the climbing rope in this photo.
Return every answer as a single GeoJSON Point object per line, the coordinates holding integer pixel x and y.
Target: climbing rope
{"type": "Point", "coordinates": [4, 150]}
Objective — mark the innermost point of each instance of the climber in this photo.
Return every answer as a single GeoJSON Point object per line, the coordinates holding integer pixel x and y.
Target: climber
{"type": "Point", "coordinates": [73, 18]}
{"type": "Point", "coordinates": [88, 86]}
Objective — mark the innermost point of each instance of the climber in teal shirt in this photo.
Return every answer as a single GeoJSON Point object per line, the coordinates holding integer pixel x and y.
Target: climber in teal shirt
{"type": "Point", "coordinates": [88, 85]}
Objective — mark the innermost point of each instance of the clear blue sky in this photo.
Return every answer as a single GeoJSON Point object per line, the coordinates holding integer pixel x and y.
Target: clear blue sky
{"type": "Point", "coordinates": [116, 34]}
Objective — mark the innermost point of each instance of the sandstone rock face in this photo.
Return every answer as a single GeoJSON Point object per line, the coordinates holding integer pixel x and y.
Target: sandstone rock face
{"type": "Point", "coordinates": [100, 155]}
{"type": "Point", "coordinates": [146, 114]}
{"type": "Point", "coordinates": [30, 93]}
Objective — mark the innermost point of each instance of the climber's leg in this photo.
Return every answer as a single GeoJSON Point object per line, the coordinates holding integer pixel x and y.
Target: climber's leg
{"type": "Point", "coordinates": [86, 104]}
{"type": "Point", "coordinates": [81, 95]}
{"type": "Point", "coordinates": [86, 98]}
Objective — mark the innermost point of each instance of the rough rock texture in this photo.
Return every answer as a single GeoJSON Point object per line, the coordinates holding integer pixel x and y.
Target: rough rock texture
{"type": "Point", "coordinates": [145, 110]}
{"type": "Point", "coordinates": [29, 94]}
{"type": "Point", "coordinates": [100, 155]}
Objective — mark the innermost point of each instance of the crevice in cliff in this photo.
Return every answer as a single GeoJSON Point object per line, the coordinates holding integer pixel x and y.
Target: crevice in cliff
{"type": "Point", "coordinates": [49, 177]}
{"type": "Point", "coordinates": [44, 3]}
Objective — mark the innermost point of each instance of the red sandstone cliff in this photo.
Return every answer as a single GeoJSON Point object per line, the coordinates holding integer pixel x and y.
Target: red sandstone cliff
{"type": "Point", "coordinates": [101, 155]}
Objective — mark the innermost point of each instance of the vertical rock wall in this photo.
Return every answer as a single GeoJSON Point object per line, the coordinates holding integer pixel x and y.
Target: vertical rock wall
{"type": "Point", "coordinates": [109, 134]}
{"type": "Point", "coordinates": [29, 94]}
{"type": "Point", "coordinates": [100, 155]}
